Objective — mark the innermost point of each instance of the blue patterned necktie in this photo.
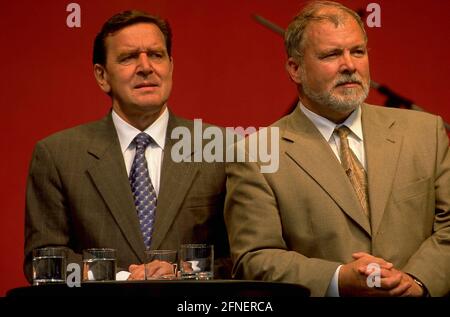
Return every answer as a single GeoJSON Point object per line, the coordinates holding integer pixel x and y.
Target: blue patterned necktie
{"type": "Point", "coordinates": [142, 188]}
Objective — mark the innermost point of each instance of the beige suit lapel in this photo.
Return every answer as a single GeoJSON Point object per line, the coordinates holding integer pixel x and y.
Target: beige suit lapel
{"type": "Point", "coordinates": [306, 146]}
{"type": "Point", "coordinates": [176, 180]}
{"type": "Point", "coordinates": [382, 146]}
{"type": "Point", "coordinates": [110, 177]}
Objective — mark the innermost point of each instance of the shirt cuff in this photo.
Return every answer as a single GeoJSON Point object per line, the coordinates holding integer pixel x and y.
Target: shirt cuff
{"type": "Point", "coordinates": [333, 288]}
{"type": "Point", "coordinates": [122, 275]}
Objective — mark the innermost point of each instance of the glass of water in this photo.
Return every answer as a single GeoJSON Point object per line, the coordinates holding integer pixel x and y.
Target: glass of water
{"type": "Point", "coordinates": [99, 264]}
{"type": "Point", "coordinates": [49, 265]}
{"type": "Point", "coordinates": [197, 261]}
{"type": "Point", "coordinates": [161, 265]}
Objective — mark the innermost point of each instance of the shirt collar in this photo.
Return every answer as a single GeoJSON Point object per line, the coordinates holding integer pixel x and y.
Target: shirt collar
{"type": "Point", "coordinates": [126, 132]}
{"type": "Point", "coordinates": [327, 127]}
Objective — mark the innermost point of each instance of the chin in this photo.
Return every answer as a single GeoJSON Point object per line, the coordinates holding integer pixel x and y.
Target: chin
{"type": "Point", "coordinates": [151, 108]}
{"type": "Point", "coordinates": [149, 103]}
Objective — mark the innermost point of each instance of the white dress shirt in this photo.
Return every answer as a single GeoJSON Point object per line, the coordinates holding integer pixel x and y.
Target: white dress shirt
{"type": "Point", "coordinates": [356, 143]}
{"type": "Point", "coordinates": [326, 128]}
{"type": "Point", "coordinates": [154, 152]}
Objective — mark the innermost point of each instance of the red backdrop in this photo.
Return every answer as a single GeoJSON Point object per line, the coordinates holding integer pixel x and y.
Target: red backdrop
{"type": "Point", "coordinates": [229, 70]}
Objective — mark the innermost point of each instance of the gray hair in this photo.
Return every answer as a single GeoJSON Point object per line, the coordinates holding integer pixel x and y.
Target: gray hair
{"type": "Point", "coordinates": [294, 37]}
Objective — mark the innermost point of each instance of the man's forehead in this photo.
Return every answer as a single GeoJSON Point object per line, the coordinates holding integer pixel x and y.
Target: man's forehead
{"type": "Point", "coordinates": [139, 34]}
{"type": "Point", "coordinates": [332, 20]}
{"type": "Point", "coordinates": [324, 31]}
{"type": "Point", "coordinates": [133, 31]}
{"type": "Point", "coordinates": [331, 11]}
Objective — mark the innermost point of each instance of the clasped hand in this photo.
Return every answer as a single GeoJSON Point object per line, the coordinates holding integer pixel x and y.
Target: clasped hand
{"type": "Point", "coordinates": [355, 278]}
{"type": "Point", "coordinates": [155, 269]}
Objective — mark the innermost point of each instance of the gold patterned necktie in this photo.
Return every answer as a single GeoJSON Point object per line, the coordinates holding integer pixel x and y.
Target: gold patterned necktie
{"type": "Point", "coordinates": [354, 170]}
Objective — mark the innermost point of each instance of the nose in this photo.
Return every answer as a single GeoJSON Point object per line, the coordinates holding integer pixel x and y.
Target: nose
{"type": "Point", "coordinates": [144, 65]}
{"type": "Point", "coordinates": [347, 64]}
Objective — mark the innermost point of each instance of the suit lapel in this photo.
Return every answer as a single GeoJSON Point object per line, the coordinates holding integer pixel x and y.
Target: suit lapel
{"type": "Point", "coordinates": [307, 147]}
{"type": "Point", "coordinates": [176, 180]}
{"type": "Point", "coordinates": [110, 177]}
{"type": "Point", "coordinates": [382, 147]}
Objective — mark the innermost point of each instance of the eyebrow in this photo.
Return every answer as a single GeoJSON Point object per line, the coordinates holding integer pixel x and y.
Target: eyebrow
{"type": "Point", "coordinates": [138, 51]}
{"type": "Point", "coordinates": [340, 50]}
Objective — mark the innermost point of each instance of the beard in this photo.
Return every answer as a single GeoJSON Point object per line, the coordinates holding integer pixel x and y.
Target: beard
{"type": "Point", "coordinates": [347, 101]}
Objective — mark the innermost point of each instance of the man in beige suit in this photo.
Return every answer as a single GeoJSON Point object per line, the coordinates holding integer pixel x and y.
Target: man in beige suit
{"type": "Point", "coordinates": [381, 227]}
{"type": "Point", "coordinates": [79, 194]}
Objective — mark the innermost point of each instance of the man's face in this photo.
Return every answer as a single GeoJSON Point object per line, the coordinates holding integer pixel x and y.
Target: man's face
{"type": "Point", "coordinates": [334, 73]}
{"type": "Point", "coordinates": [138, 70]}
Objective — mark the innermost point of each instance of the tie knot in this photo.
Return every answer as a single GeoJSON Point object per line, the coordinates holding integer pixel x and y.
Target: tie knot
{"type": "Point", "coordinates": [142, 140]}
{"type": "Point", "coordinates": [343, 131]}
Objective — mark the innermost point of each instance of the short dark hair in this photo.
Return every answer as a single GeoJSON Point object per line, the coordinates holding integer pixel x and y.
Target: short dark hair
{"type": "Point", "coordinates": [122, 20]}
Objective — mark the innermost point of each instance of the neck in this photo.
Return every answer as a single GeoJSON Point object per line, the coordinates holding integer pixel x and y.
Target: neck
{"type": "Point", "coordinates": [140, 120]}
{"type": "Point", "coordinates": [327, 112]}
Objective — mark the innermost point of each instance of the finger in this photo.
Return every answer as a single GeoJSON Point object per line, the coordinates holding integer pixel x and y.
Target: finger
{"type": "Point", "coordinates": [160, 272]}
{"type": "Point", "coordinates": [150, 271]}
{"type": "Point", "coordinates": [383, 270]}
{"type": "Point", "coordinates": [132, 267]}
{"type": "Point", "coordinates": [401, 290]}
{"type": "Point", "coordinates": [407, 293]}
{"type": "Point", "coordinates": [137, 275]}
{"type": "Point", "coordinates": [358, 255]}
{"type": "Point", "coordinates": [382, 263]}
{"type": "Point", "coordinates": [152, 267]}
{"type": "Point", "coordinates": [187, 266]}
{"type": "Point", "coordinates": [384, 279]}
{"type": "Point", "coordinates": [384, 273]}
{"type": "Point", "coordinates": [160, 268]}
{"type": "Point", "coordinates": [367, 269]}
{"type": "Point", "coordinates": [368, 259]}
{"type": "Point", "coordinates": [382, 285]}
{"type": "Point", "coordinates": [391, 282]}
{"type": "Point", "coordinates": [363, 270]}
{"type": "Point", "coordinates": [387, 265]}
{"type": "Point", "coordinates": [165, 269]}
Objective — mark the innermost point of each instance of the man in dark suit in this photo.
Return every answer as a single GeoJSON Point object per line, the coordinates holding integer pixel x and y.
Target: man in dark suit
{"type": "Point", "coordinates": [360, 204]}
{"type": "Point", "coordinates": [79, 193]}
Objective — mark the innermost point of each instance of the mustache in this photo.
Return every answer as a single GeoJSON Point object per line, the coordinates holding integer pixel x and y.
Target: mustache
{"type": "Point", "coordinates": [348, 79]}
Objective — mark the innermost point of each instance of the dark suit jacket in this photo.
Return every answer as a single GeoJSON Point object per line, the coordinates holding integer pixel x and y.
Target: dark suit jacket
{"type": "Point", "coordinates": [79, 196]}
{"type": "Point", "coordinates": [298, 224]}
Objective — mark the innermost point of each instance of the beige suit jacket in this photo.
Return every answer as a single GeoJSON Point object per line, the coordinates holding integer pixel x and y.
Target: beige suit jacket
{"type": "Point", "coordinates": [79, 196]}
{"type": "Point", "coordinates": [300, 223]}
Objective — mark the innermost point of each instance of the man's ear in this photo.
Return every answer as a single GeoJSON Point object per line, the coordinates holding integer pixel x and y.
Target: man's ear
{"type": "Point", "coordinates": [101, 76]}
{"type": "Point", "coordinates": [171, 64]}
{"type": "Point", "coordinates": [293, 68]}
